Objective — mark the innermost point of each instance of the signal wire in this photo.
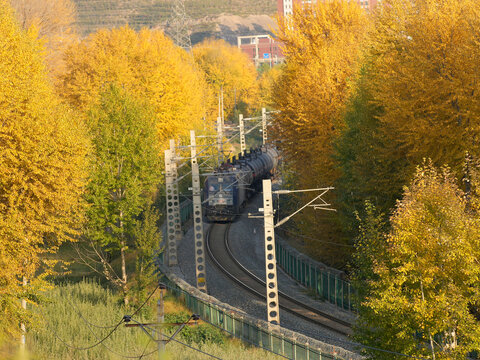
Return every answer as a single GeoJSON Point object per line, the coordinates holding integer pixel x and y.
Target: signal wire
{"type": "Point", "coordinates": [171, 338]}
{"type": "Point", "coordinates": [86, 321]}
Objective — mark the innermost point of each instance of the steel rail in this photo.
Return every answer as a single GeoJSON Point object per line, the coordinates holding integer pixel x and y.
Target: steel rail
{"type": "Point", "coordinates": [249, 281]}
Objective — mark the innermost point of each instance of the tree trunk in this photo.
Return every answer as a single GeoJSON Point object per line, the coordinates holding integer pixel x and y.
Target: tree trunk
{"type": "Point", "coordinates": [124, 274]}
{"type": "Point", "coordinates": [124, 267]}
{"type": "Point", "coordinates": [429, 332]}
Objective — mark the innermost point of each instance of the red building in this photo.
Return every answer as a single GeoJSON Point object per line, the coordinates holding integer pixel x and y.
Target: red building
{"type": "Point", "coordinates": [266, 49]}
{"type": "Point", "coordinates": [261, 49]}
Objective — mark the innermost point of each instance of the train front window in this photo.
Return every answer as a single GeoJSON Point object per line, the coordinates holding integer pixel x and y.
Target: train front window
{"type": "Point", "coordinates": [220, 193]}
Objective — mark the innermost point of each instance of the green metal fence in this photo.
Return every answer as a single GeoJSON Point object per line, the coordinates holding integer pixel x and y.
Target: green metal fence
{"type": "Point", "coordinates": [251, 331]}
{"type": "Point", "coordinates": [327, 285]}
{"type": "Point", "coordinates": [186, 211]}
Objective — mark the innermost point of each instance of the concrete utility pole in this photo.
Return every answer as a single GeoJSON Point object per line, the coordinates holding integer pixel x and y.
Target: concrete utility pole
{"type": "Point", "coordinates": [171, 238]}
{"type": "Point", "coordinates": [160, 320]}
{"type": "Point", "coordinates": [220, 140]}
{"type": "Point", "coordinates": [264, 126]}
{"type": "Point", "coordinates": [273, 313]}
{"type": "Point", "coordinates": [223, 114]}
{"type": "Point", "coordinates": [270, 258]}
{"type": "Point", "coordinates": [176, 198]}
{"type": "Point", "coordinates": [200, 266]}
{"type": "Point", "coordinates": [243, 146]}
{"type": "Point", "coordinates": [173, 208]}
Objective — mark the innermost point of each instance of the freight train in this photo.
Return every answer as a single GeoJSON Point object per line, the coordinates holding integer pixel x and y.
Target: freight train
{"type": "Point", "coordinates": [227, 191]}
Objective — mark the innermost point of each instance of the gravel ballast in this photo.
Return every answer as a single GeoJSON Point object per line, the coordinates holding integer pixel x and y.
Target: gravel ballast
{"type": "Point", "coordinates": [247, 244]}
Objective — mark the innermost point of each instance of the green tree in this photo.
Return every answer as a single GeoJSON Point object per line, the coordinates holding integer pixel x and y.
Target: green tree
{"type": "Point", "coordinates": [147, 239]}
{"type": "Point", "coordinates": [421, 288]}
{"type": "Point", "coordinates": [43, 167]}
{"type": "Point", "coordinates": [125, 171]}
{"type": "Point", "coordinates": [370, 246]}
{"type": "Point", "coordinates": [362, 174]}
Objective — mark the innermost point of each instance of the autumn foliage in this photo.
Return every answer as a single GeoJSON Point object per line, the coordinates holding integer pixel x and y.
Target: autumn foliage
{"type": "Point", "coordinates": [149, 66]}
{"type": "Point", "coordinates": [424, 55]}
{"type": "Point", "coordinates": [363, 114]}
{"type": "Point", "coordinates": [54, 21]}
{"type": "Point", "coordinates": [363, 99]}
{"type": "Point", "coordinates": [423, 278]}
{"type": "Point", "coordinates": [43, 165]}
{"type": "Point", "coordinates": [323, 48]}
{"type": "Point", "coordinates": [228, 69]}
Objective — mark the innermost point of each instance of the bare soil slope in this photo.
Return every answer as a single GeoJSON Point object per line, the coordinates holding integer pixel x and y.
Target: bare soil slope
{"type": "Point", "coordinates": [207, 18]}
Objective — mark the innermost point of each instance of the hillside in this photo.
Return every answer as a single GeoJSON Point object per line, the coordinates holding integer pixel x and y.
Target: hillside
{"type": "Point", "coordinates": [220, 18]}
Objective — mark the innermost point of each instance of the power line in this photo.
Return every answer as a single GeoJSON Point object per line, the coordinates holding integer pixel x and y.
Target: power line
{"type": "Point", "coordinates": [87, 347]}
{"type": "Point", "coordinates": [146, 347]}
{"type": "Point", "coordinates": [85, 319]}
{"type": "Point", "coordinates": [171, 338]}
{"type": "Point", "coordinates": [193, 348]}
{"type": "Point", "coordinates": [148, 298]}
{"type": "Point", "coordinates": [100, 341]}
{"type": "Point", "coordinates": [122, 355]}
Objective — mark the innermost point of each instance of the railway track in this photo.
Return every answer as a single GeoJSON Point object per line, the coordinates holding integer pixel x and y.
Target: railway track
{"type": "Point", "coordinates": [219, 251]}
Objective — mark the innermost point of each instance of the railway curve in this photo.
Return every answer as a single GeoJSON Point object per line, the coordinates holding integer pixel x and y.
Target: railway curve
{"type": "Point", "coordinates": [221, 255]}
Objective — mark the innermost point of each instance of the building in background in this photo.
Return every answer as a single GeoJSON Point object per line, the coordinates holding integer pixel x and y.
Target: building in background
{"type": "Point", "coordinates": [266, 49]}
{"type": "Point", "coordinates": [261, 49]}
{"type": "Point", "coordinates": [285, 7]}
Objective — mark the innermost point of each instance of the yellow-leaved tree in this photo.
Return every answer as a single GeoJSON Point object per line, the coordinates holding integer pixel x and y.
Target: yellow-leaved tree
{"type": "Point", "coordinates": [227, 67]}
{"type": "Point", "coordinates": [43, 152]}
{"type": "Point", "coordinates": [149, 66]}
{"type": "Point", "coordinates": [424, 77]}
{"type": "Point", "coordinates": [54, 21]}
{"type": "Point", "coordinates": [266, 84]}
{"type": "Point", "coordinates": [323, 44]}
{"type": "Point", "coordinates": [419, 280]}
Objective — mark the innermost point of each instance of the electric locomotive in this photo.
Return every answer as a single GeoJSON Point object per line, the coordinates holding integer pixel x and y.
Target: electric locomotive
{"type": "Point", "coordinates": [227, 191]}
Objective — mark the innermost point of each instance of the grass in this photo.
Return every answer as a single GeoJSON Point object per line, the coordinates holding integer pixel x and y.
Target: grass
{"type": "Point", "coordinates": [74, 311]}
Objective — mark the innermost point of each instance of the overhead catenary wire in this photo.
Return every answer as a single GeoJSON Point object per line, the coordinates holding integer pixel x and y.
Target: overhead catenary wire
{"type": "Point", "coordinates": [313, 239]}
{"type": "Point", "coordinates": [207, 146]}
